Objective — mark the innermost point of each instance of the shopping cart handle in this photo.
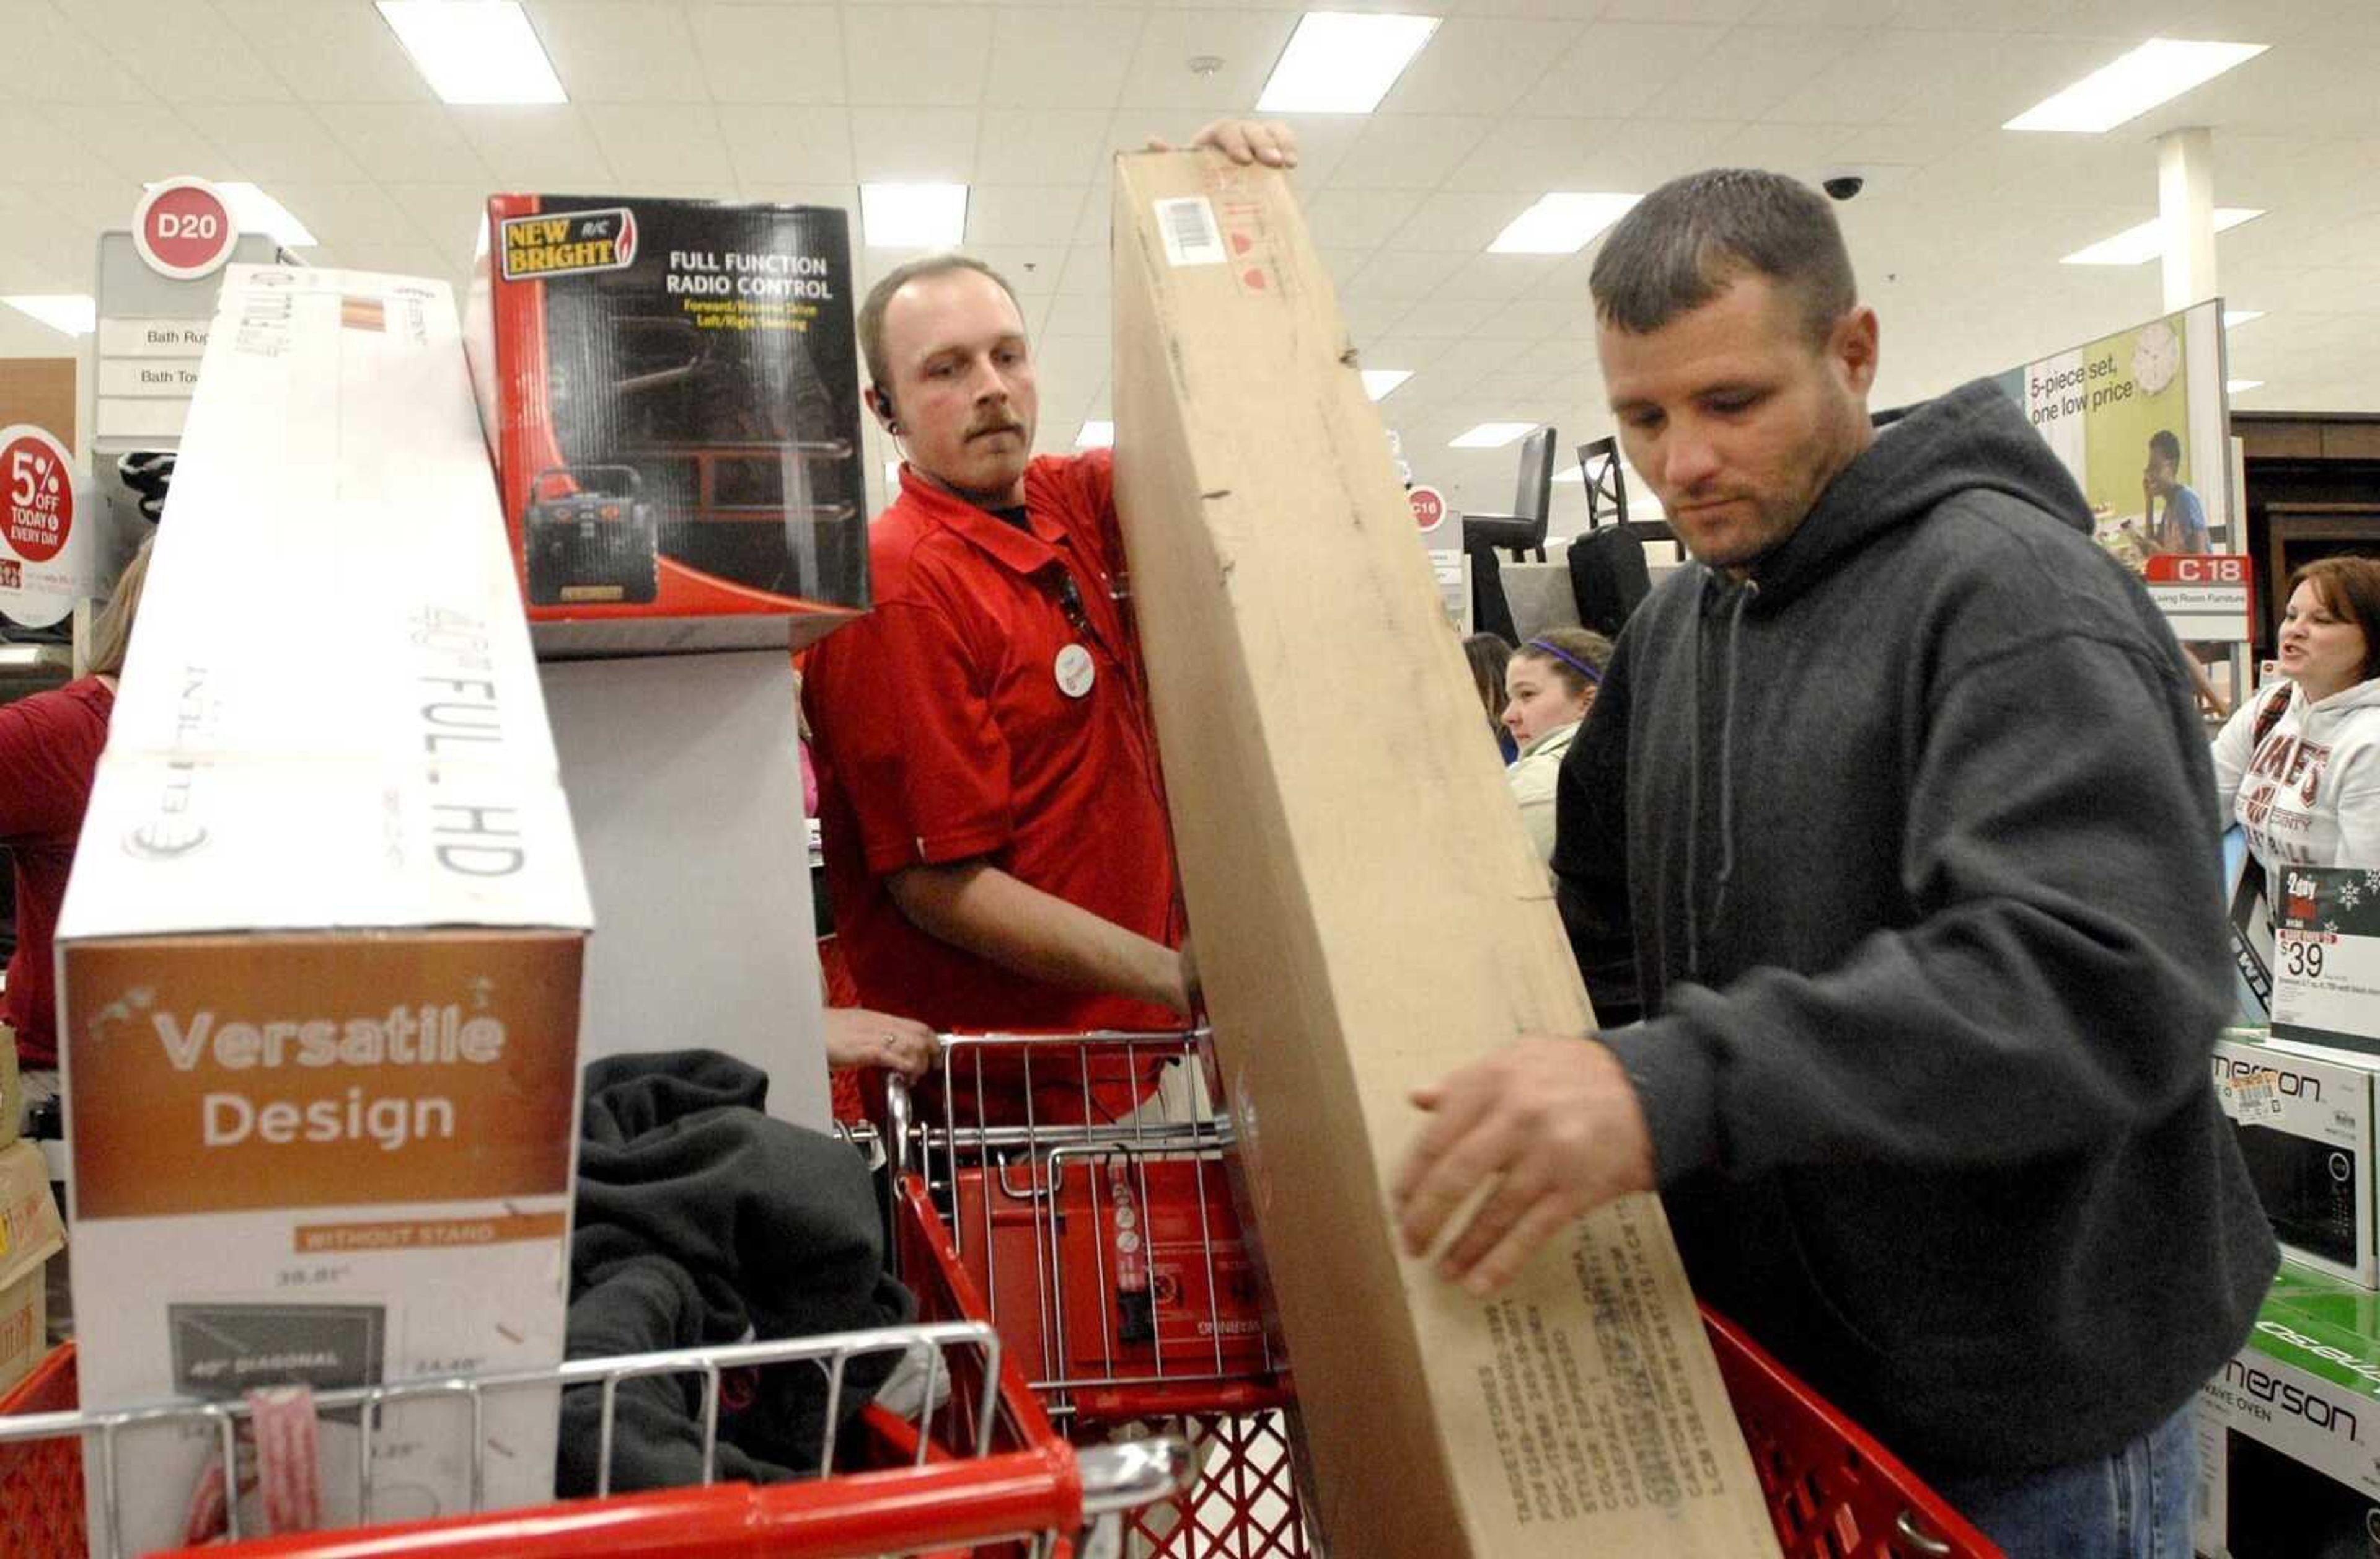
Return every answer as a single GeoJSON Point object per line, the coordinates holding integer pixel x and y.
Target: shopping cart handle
{"type": "Point", "coordinates": [1135, 1474]}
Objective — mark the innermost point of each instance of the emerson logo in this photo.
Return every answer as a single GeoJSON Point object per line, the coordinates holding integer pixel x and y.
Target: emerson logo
{"type": "Point", "coordinates": [2290, 1084]}
{"type": "Point", "coordinates": [569, 243]}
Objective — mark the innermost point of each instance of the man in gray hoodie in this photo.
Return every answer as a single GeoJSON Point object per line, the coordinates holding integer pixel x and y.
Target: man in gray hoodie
{"type": "Point", "coordinates": [1904, 784]}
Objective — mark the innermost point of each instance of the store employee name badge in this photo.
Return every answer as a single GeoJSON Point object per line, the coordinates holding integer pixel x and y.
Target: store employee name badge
{"type": "Point", "coordinates": [2327, 955]}
{"type": "Point", "coordinates": [1075, 672]}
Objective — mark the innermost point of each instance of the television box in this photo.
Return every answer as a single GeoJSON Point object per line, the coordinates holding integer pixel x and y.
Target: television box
{"type": "Point", "coordinates": [2289, 1442]}
{"type": "Point", "coordinates": [672, 393]}
{"type": "Point", "coordinates": [319, 958]}
{"type": "Point", "coordinates": [2305, 1126]}
{"type": "Point", "coordinates": [1581, 1411]}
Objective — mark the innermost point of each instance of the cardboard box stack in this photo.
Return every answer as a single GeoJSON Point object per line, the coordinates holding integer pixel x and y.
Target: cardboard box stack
{"type": "Point", "coordinates": [1334, 811]}
{"type": "Point", "coordinates": [31, 1232]}
{"type": "Point", "coordinates": [2305, 1122]}
{"type": "Point", "coordinates": [319, 961]}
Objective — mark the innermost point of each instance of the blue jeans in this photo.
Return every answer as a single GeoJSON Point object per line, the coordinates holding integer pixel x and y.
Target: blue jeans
{"type": "Point", "coordinates": [2134, 1504]}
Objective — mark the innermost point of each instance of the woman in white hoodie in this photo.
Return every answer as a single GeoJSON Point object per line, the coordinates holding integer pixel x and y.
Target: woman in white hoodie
{"type": "Point", "coordinates": [2297, 765]}
{"type": "Point", "coordinates": [1549, 684]}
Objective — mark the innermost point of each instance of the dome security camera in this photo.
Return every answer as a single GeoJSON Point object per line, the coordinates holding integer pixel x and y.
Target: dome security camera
{"type": "Point", "coordinates": [1843, 186]}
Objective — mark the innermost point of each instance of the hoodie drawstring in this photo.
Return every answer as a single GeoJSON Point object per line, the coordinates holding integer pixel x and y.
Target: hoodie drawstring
{"type": "Point", "coordinates": [1744, 599]}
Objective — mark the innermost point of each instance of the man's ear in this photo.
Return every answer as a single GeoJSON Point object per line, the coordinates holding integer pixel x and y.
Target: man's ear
{"type": "Point", "coordinates": [1852, 345]}
{"type": "Point", "coordinates": [881, 402]}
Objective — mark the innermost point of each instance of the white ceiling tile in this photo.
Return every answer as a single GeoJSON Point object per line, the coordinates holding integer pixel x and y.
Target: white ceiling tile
{"type": "Point", "coordinates": [1366, 317]}
{"type": "Point", "coordinates": [771, 54]}
{"type": "Point", "coordinates": [139, 139]}
{"type": "Point", "coordinates": [447, 215]}
{"type": "Point", "coordinates": [543, 148]}
{"type": "Point", "coordinates": [1447, 319]}
{"type": "Point", "coordinates": [1408, 152]}
{"type": "Point", "coordinates": [408, 259]}
{"type": "Point", "coordinates": [1752, 70]}
{"type": "Point", "coordinates": [1536, 156]}
{"type": "Point", "coordinates": [1721, 11]}
{"type": "Point", "coordinates": [1060, 57]}
{"type": "Point", "coordinates": [840, 197]}
{"type": "Point", "coordinates": [181, 49]}
{"type": "Point", "coordinates": [1824, 13]}
{"type": "Point", "coordinates": [1617, 68]}
{"type": "Point", "coordinates": [76, 66]}
{"type": "Point", "coordinates": [328, 53]}
{"type": "Point", "coordinates": [1089, 270]}
{"type": "Point", "coordinates": [913, 145]}
{"type": "Point", "coordinates": [41, 148]}
{"type": "Point", "coordinates": [788, 144]}
{"type": "Point", "coordinates": [348, 217]}
{"type": "Point", "coordinates": [925, 54]}
{"type": "Point", "coordinates": [1352, 218]}
{"type": "Point", "coordinates": [1248, 42]}
{"type": "Point", "coordinates": [1032, 269]}
{"type": "Point", "coordinates": [1323, 143]}
{"type": "Point", "coordinates": [405, 144]}
{"type": "Point", "coordinates": [1062, 146]}
{"type": "Point", "coordinates": [621, 51]}
{"type": "Point", "coordinates": [1459, 222]}
{"type": "Point", "coordinates": [2000, 15]}
{"type": "Point", "coordinates": [1398, 273]}
{"type": "Point", "coordinates": [1501, 276]}
{"type": "Point", "coordinates": [1077, 314]}
{"type": "Point", "coordinates": [1034, 215]}
{"type": "Point", "coordinates": [1478, 65]}
{"type": "Point", "coordinates": [274, 142]}
{"type": "Point", "coordinates": [655, 147]}
{"type": "Point", "coordinates": [1795, 149]}
{"type": "Point", "coordinates": [1398, 349]}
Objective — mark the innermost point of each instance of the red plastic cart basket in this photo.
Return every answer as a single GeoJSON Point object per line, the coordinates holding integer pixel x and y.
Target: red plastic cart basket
{"type": "Point", "coordinates": [1107, 1251]}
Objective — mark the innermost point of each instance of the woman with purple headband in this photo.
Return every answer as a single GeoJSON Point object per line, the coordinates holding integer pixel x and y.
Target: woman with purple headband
{"type": "Point", "coordinates": [1549, 684]}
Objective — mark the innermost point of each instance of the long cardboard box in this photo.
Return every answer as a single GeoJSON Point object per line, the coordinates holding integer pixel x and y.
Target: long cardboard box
{"type": "Point", "coordinates": [320, 958]}
{"type": "Point", "coordinates": [1335, 807]}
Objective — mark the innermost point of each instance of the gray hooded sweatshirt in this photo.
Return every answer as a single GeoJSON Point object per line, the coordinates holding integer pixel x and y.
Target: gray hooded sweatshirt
{"type": "Point", "coordinates": [1927, 907]}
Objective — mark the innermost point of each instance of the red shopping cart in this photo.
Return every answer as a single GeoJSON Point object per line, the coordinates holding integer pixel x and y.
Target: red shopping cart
{"type": "Point", "coordinates": [981, 1475]}
{"type": "Point", "coordinates": [1106, 1250]}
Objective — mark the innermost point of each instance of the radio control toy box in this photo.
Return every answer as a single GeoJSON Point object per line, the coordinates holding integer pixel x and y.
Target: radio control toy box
{"type": "Point", "coordinates": [2305, 1123]}
{"type": "Point", "coordinates": [672, 392]}
{"type": "Point", "coordinates": [320, 958]}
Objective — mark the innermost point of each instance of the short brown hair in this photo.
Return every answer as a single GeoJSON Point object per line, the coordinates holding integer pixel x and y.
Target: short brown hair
{"type": "Point", "coordinates": [880, 298]}
{"type": "Point", "coordinates": [1564, 651]}
{"type": "Point", "coordinates": [111, 631]}
{"type": "Point", "coordinates": [1688, 241]}
{"type": "Point", "coordinates": [2350, 587]}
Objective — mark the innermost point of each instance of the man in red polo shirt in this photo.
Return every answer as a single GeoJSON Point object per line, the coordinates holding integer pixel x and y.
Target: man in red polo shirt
{"type": "Point", "coordinates": [989, 797]}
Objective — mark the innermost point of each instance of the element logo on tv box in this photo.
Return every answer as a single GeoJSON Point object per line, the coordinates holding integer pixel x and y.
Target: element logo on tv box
{"type": "Point", "coordinates": [569, 244]}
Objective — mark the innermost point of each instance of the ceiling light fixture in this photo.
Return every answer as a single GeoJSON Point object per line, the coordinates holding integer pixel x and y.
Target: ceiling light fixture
{"type": "Point", "coordinates": [1561, 222]}
{"type": "Point", "coordinates": [2158, 71]}
{"type": "Point", "coordinates": [2138, 246]}
{"type": "Point", "coordinates": [475, 52]}
{"type": "Point", "coordinates": [2240, 386]}
{"type": "Point", "coordinates": [1094, 435]}
{"type": "Point", "coordinates": [913, 215]}
{"type": "Point", "coordinates": [72, 313]}
{"type": "Point", "coordinates": [1491, 435]}
{"type": "Point", "coordinates": [1338, 62]}
{"type": "Point", "coordinates": [1380, 382]}
{"type": "Point", "coordinates": [2235, 317]}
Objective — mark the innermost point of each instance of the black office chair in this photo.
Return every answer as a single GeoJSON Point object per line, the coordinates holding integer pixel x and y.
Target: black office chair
{"type": "Point", "coordinates": [1523, 530]}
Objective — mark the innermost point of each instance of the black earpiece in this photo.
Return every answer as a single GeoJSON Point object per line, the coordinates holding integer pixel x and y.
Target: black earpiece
{"type": "Point", "coordinates": [884, 409]}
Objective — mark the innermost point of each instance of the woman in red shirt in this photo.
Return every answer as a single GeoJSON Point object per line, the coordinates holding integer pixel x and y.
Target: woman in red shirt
{"type": "Point", "coordinates": [49, 749]}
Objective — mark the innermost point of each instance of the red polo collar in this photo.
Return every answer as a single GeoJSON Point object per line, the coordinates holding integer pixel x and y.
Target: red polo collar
{"type": "Point", "coordinates": [1012, 548]}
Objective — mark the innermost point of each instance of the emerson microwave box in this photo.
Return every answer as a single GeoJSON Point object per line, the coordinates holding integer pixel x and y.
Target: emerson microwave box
{"type": "Point", "coordinates": [2305, 1126]}
{"type": "Point", "coordinates": [1581, 1411]}
{"type": "Point", "coordinates": [2289, 1442]}
{"type": "Point", "coordinates": [319, 958]}
{"type": "Point", "coordinates": [672, 393]}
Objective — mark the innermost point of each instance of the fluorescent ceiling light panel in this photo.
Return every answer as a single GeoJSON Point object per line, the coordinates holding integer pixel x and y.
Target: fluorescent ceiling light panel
{"type": "Point", "coordinates": [73, 313]}
{"type": "Point", "coordinates": [257, 212]}
{"type": "Point", "coordinates": [1094, 435]}
{"type": "Point", "coordinates": [1378, 383]}
{"type": "Point", "coordinates": [891, 478]}
{"type": "Point", "coordinates": [2158, 71]}
{"type": "Point", "coordinates": [1338, 62]}
{"type": "Point", "coordinates": [1571, 473]}
{"type": "Point", "coordinates": [913, 215]}
{"type": "Point", "coordinates": [1492, 435]}
{"type": "Point", "coordinates": [2232, 317]}
{"type": "Point", "coordinates": [2240, 386]}
{"type": "Point", "coordinates": [475, 50]}
{"type": "Point", "coordinates": [2138, 246]}
{"type": "Point", "coordinates": [1561, 222]}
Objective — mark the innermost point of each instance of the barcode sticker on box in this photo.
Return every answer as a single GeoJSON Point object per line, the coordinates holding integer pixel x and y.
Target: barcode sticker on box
{"type": "Point", "coordinates": [1191, 235]}
{"type": "Point", "coordinates": [2255, 1096]}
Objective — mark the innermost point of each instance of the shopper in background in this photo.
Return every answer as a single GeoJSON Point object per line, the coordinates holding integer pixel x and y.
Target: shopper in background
{"type": "Point", "coordinates": [1910, 808]}
{"type": "Point", "coordinates": [1549, 686]}
{"type": "Point", "coordinates": [2183, 526]}
{"type": "Point", "coordinates": [2298, 767]}
{"type": "Point", "coordinates": [1488, 654]}
{"type": "Point", "coordinates": [990, 799]}
{"type": "Point", "coordinates": [50, 745]}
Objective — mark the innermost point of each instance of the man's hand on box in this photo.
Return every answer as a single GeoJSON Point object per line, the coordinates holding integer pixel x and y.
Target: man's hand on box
{"type": "Point", "coordinates": [1553, 1123]}
{"type": "Point", "coordinates": [1245, 140]}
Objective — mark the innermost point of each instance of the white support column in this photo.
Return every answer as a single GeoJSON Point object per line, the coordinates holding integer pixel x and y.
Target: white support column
{"type": "Point", "coordinates": [2186, 212]}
